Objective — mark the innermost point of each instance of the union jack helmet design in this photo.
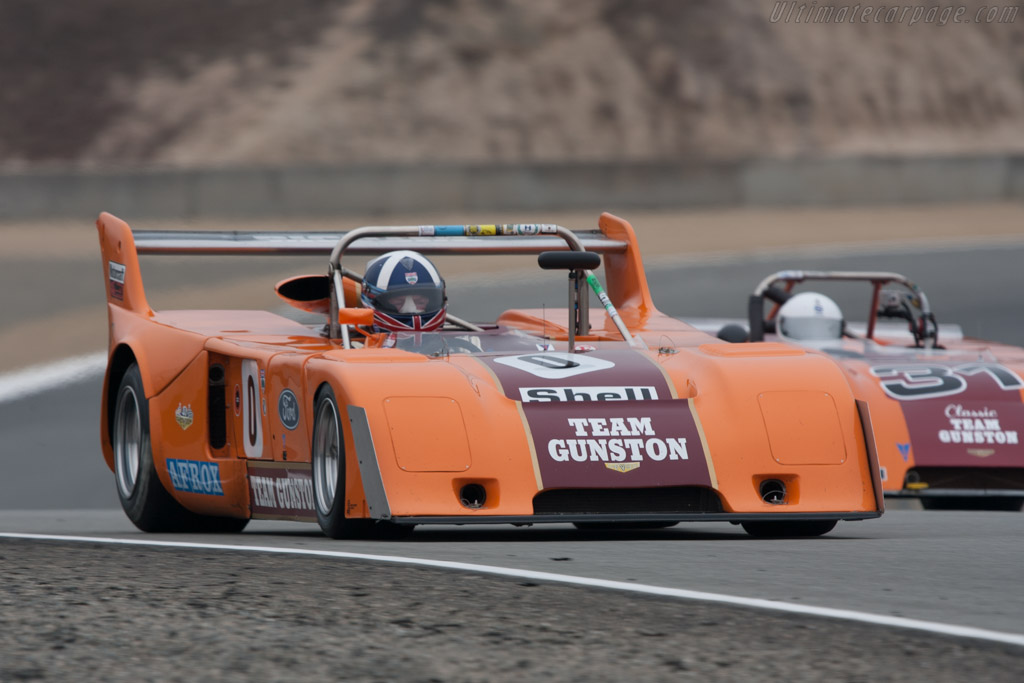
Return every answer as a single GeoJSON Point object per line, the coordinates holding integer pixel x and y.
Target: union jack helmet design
{"type": "Point", "coordinates": [405, 292]}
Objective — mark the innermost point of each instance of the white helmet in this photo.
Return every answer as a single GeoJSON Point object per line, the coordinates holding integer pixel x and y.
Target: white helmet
{"type": "Point", "coordinates": [810, 316]}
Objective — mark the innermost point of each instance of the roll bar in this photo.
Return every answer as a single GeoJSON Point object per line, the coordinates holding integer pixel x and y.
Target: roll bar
{"type": "Point", "coordinates": [514, 238]}
{"type": "Point", "coordinates": [315, 243]}
{"type": "Point", "coordinates": [927, 329]}
{"type": "Point", "coordinates": [509, 238]}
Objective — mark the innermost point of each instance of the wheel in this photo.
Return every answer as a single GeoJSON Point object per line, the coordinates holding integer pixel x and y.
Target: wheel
{"type": "Point", "coordinates": [600, 526]}
{"type": "Point", "coordinates": [144, 499]}
{"type": "Point", "coordinates": [1007, 504]}
{"type": "Point", "coordinates": [329, 478]}
{"type": "Point", "coordinates": [801, 529]}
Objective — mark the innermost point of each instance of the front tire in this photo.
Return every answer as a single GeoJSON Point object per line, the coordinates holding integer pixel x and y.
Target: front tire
{"type": "Point", "coordinates": [144, 499]}
{"type": "Point", "coordinates": [801, 529]}
{"type": "Point", "coordinates": [328, 454]}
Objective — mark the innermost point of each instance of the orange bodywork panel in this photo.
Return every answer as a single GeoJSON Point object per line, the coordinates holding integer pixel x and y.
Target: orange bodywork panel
{"type": "Point", "coordinates": [232, 395]}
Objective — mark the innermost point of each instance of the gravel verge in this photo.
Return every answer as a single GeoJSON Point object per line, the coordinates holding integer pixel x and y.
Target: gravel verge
{"type": "Point", "coordinates": [85, 612]}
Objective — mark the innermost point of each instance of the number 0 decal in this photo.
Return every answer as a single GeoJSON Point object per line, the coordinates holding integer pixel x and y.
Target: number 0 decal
{"type": "Point", "coordinates": [555, 365]}
{"type": "Point", "coordinates": [252, 420]}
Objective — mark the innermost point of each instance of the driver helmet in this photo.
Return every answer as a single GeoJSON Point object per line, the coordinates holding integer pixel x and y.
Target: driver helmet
{"type": "Point", "coordinates": [405, 292]}
{"type": "Point", "coordinates": [810, 317]}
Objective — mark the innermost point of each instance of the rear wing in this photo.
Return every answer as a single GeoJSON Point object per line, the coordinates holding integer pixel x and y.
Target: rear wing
{"type": "Point", "coordinates": [417, 238]}
{"type": "Point", "coordinates": [614, 240]}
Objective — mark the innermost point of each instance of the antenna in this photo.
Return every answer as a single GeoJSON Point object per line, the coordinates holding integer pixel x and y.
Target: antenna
{"type": "Point", "coordinates": [544, 319]}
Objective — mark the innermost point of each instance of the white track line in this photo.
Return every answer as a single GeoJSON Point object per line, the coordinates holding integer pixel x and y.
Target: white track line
{"type": "Point", "coordinates": [39, 378]}
{"type": "Point", "coordinates": [755, 603]}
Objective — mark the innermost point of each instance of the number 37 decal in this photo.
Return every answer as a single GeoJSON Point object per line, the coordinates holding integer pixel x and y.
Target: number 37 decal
{"type": "Point", "coordinates": [912, 382]}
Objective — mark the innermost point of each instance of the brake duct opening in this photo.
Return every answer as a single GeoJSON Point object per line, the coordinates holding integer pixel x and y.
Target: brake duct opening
{"type": "Point", "coordinates": [773, 492]}
{"type": "Point", "coordinates": [473, 496]}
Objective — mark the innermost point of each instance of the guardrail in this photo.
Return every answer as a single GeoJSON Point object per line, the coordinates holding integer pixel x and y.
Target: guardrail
{"type": "Point", "coordinates": [346, 190]}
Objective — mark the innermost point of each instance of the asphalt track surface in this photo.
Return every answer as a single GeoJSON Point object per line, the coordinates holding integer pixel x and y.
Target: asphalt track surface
{"type": "Point", "coordinates": [952, 568]}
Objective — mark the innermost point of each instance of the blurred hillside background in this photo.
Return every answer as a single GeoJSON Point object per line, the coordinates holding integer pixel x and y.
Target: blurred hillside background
{"type": "Point", "coordinates": [190, 83]}
{"type": "Point", "coordinates": [713, 125]}
{"type": "Point", "coordinates": [692, 94]}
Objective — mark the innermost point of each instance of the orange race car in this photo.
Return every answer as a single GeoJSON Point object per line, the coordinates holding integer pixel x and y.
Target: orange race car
{"type": "Point", "coordinates": [370, 425]}
{"type": "Point", "coordinates": [947, 411]}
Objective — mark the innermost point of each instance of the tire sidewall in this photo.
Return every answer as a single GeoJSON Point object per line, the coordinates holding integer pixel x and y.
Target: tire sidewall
{"type": "Point", "coordinates": [135, 504]}
{"type": "Point", "coordinates": [333, 522]}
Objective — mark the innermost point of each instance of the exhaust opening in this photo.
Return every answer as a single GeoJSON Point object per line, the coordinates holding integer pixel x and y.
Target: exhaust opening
{"type": "Point", "coordinates": [473, 496]}
{"type": "Point", "coordinates": [773, 492]}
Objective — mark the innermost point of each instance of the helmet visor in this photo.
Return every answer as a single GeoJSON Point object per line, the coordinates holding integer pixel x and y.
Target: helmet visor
{"type": "Point", "coordinates": [410, 301]}
{"type": "Point", "coordinates": [810, 328]}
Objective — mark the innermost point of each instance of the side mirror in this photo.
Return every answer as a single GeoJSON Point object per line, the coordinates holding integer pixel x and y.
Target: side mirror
{"type": "Point", "coordinates": [568, 260]}
{"type": "Point", "coordinates": [355, 316]}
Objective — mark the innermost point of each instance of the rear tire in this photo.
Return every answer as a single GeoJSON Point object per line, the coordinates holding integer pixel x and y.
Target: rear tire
{"type": "Point", "coordinates": [801, 529]}
{"type": "Point", "coordinates": [144, 499]}
{"type": "Point", "coordinates": [328, 455]}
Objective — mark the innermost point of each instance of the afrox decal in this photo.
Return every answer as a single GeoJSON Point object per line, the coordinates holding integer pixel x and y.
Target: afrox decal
{"type": "Point", "coordinates": [190, 476]}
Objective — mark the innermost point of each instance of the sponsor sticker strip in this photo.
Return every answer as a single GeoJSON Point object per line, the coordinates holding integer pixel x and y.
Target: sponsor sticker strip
{"type": "Point", "coordinates": [281, 491]}
{"type": "Point", "coordinates": [116, 275]}
{"type": "Point", "coordinates": [506, 230]}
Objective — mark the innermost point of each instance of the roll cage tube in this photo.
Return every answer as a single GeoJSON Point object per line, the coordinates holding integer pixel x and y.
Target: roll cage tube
{"type": "Point", "coordinates": [926, 331]}
{"type": "Point", "coordinates": [461, 239]}
{"type": "Point", "coordinates": [515, 231]}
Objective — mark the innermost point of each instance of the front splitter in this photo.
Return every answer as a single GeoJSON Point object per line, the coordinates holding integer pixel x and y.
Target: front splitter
{"type": "Point", "coordinates": [605, 518]}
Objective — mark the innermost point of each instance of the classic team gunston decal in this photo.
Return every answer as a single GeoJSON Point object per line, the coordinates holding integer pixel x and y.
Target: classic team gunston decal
{"type": "Point", "coordinates": [978, 426]}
